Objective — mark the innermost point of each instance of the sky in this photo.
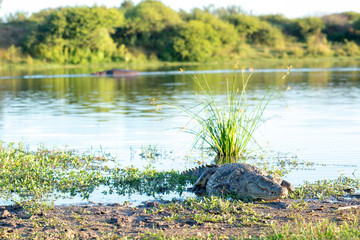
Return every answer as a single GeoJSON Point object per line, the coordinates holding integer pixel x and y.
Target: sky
{"type": "Point", "coordinates": [289, 8]}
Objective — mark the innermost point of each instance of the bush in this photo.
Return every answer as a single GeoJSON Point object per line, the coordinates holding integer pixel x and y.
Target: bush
{"type": "Point", "coordinates": [11, 55]}
{"type": "Point", "coordinates": [296, 51]}
{"type": "Point", "coordinates": [197, 41]}
{"type": "Point", "coordinates": [351, 48]}
{"type": "Point", "coordinates": [317, 45]}
{"type": "Point", "coordinates": [76, 35]}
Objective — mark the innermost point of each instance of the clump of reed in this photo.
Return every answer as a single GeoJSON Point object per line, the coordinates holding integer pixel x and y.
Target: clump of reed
{"type": "Point", "coordinates": [227, 128]}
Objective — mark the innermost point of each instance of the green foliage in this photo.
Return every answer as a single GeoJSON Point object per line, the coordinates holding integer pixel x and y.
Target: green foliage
{"type": "Point", "coordinates": [245, 24]}
{"type": "Point", "coordinates": [256, 31]}
{"type": "Point", "coordinates": [226, 128]}
{"type": "Point", "coordinates": [224, 29]}
{"type": "Point", "coordinates": [302, 229]}
{"type": "Point", "coordinates": [317, 45]}
{"type": "Point", "coordinates": [213, 210]}
{"type": "Point", "coordinates": [352, 16]}
{"type": "Point", "coordinates": [12, 54]}
{"type": "Point", "coordinates": [15, 30]}
{"type": "Point", "coordinates": [305, 27]}
{"type": "Point", "coordinates": [356, 25]}
{"type": "Point", "coordinates": [76, 35]}
{"type": "Point", "coordinates": [197, 41]}
{"type": "Point", "coordinates": [130, 180]}
{"type": "Point", "coordinates": [126, 4]}
{"type": "Point", "coordinates": [338, 27]}
{"type": "Point", "coordinates": [152, 31]}
{"type": "Point", "coordinates": [29, 177]}
{"type": "Point", "coordinates": [17, 17]}
{"type": "Point", "coordinates": [151, 16]}
{"type": "Point", "coordinates": [268, 35]}
{"type": "Point", "coordinates": [349, 48]}
{"type": "Point", "coordinates": [32, 177]}
{"type": "Point", "coordinates": [150, 25]}
{"type": "Point", "coordinates": [277, 20]}
{"type": "Point", "coordinates": [326, 188]}
{"type": "Point", "coordinates": [226, 13]}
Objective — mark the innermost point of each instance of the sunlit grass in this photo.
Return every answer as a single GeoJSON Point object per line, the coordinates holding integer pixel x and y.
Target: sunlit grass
{"type": "Point", "coordinates": [33, 176]}
{"type": "Point", "coordinates": [320, 230]}
{"type": "Point", "coordinates": [38, 177]}
{"type": "Point", "coordinates": [228, 126]}
{"type": "Point", "coordinates": [326, 188]}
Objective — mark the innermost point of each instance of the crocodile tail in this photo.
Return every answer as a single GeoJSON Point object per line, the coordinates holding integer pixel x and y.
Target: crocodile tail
{"type": "Point", "coordinates": [198, 171]}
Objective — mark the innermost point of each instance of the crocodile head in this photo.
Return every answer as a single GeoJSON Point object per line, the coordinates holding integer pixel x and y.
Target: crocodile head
{"type": "Point", "coordinates": [267, 189]}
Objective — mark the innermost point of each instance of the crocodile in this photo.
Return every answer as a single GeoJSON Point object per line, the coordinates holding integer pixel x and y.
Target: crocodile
{"type": "Point", "coordinates": [117, 73]}
{"type": "Point", "coordinates": [244, 180]}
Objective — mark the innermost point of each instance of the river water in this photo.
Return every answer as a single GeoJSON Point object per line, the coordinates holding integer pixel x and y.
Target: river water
{"type": "Point", "coordinates": [317, 119]}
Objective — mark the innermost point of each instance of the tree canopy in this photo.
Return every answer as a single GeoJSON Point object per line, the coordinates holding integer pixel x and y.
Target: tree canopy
{"type": "Point", "coordinates": [75, 34]}
{"type": "Point", "coordinates": [151, 30]}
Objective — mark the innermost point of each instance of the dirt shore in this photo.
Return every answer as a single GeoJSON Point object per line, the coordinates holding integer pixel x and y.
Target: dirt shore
{"type": "Point", "coordinates": [115, 220]}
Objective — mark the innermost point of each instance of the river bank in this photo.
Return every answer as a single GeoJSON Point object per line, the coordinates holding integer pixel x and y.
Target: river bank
{"type": "Point", "coordinates": [190, 219]}
{"type": "Point", "coordinates": [253, 62]}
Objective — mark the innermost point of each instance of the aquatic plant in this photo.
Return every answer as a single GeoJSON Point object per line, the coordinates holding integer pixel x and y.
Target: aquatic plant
{"type": "Point", "coordinates": [38, 177]}
{"type": "Point", "coordinates": [150, 152]}
{"type": "Point", "coordinates": [227, 128]}
{"type": "Point", "coordinates": [29, 176]}
{"type": "Point", "coordinates": [130, 180]}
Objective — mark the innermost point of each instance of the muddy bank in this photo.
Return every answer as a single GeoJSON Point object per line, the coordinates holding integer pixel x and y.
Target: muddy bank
{"type": "Point", "coordinates": [179, 219]}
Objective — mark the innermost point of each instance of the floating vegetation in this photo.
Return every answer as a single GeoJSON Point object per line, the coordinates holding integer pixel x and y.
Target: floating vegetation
{"type": "Point", "coordinates": [33, 176]}
{"type": "Point", "coordinates": [150, 152]}
{"type": "Point", "coordinates": [29, 177]}
{"type": "Point", "coordinates": [36, 177]}
{"type": "Point", "coordinates": [130, 180]}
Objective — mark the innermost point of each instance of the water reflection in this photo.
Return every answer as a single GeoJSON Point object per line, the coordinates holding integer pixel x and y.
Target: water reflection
{"type": "Point", "coordinates": [321, 123]}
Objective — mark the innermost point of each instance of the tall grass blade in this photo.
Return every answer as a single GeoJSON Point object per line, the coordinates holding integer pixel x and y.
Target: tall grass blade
{"type": "Point", "coordinates": [227, 128]}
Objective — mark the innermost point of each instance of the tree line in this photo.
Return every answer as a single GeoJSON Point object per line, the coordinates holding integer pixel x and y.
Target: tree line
{"type": "Point", "coordinates": [152, 31]}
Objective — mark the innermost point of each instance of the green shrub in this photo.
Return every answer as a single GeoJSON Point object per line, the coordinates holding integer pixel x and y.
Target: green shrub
{"type": "Point", "coordinates": [317, 45]}
{"type": "Point", "coordinates": [197, 41]}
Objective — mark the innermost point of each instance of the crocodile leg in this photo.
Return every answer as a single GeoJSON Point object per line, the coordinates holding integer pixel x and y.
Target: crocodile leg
{"type": "Point", "coordinates": [220, 189]}
{"type": "Point", "coordinates": [287, 185]}
{"type": "Point", "coordinates": [200, 184]}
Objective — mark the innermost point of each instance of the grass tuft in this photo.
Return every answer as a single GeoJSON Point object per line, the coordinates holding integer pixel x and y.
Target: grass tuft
{"type": "Point", "coordinates": [228, 128]}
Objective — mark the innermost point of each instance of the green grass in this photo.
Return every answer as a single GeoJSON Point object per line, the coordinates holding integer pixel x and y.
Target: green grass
{"type": "Point", "coordinates": [29, 177]}
{"type": "Point", "coordinates": [227, 127]}
{"type": "Point", "coordinates": [320, 230]}
{"type": "Point", "coordinates": [326, 188]}
{"type": "Point", "coordinates": [38, 177]}
{"type": "Point", "coordinates": [212, 210]}
{"type": "Point", "coordinates": [131, 180]}
{"type": "Point", "coordinates": [298, 230]}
